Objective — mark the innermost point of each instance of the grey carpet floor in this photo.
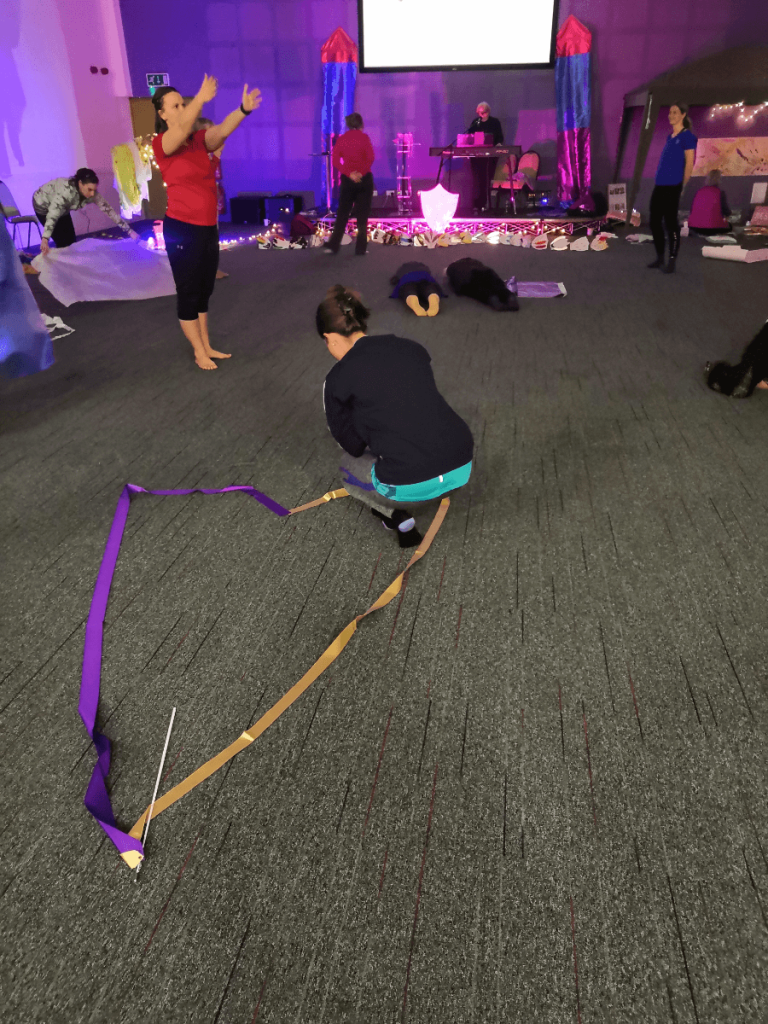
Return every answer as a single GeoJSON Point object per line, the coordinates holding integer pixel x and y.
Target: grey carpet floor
{"type": "Point", "coordinates": [533, 788]}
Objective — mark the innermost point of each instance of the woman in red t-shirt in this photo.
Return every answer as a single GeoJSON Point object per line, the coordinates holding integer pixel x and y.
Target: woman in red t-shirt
{"type": "Point", "coordinates": [190, 227]}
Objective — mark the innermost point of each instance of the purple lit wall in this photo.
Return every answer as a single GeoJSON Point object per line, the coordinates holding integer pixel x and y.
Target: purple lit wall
{"type": "Point", "coordinates": [56, 115]}
{"type": "Point", "coordinates": [276, 46]}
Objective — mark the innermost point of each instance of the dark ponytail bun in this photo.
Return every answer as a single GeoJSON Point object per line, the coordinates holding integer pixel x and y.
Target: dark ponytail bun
{"type": "Point", "coordinates": [341, 312]}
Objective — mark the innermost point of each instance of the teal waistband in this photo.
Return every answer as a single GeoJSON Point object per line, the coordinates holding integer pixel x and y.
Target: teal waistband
{"type": "Point", "coordinates": [425, 489]}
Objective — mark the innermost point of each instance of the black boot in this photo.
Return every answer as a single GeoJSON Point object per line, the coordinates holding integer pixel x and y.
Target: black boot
{"type": "Point", "coordinates": [674, 248]}
{"type": "Point", "coordinates": [658, 262]}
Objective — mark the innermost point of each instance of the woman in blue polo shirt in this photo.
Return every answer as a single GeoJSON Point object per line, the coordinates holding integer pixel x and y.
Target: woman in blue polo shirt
{"type": "Point", "coordinates": [675, 168]}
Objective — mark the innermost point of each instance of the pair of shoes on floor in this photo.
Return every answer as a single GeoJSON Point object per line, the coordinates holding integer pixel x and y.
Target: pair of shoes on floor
{"type": "Point", "coordinates": [405, 525]}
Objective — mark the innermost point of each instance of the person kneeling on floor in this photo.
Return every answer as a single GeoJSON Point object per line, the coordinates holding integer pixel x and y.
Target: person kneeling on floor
{"type": "Point", "coordinates": [403, 443]}
{"type": "Point", "coordinates": [418, 289]}
{"type": "Point", "coordinates": [750, 373]}
{"type": "Point", "coordinates": [472, 278]}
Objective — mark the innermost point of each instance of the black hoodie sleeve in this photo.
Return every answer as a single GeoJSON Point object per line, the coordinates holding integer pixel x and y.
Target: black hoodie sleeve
{"type": "Point", "coordinates": [339, 419]}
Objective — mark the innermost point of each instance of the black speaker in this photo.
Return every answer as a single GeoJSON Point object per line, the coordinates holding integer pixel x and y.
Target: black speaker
{"type": "Point", "coordinates": [282, 208]}
{"type": "Point", "coordinates": [383, 202]}
{"type": "Point", "coordinates": [247, 209]}
{"type": "Point", "coordinates": [302, 200]}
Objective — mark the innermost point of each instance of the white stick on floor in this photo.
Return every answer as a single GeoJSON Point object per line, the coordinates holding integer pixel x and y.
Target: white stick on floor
{"type": "Point", "coordinates": [157, 786]}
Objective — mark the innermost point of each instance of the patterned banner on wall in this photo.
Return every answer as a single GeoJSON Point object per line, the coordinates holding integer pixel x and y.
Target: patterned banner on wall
{"type": "Point", "coordinates": [339, 57]}
{"type": "Point", "coordinates": [739, 157]}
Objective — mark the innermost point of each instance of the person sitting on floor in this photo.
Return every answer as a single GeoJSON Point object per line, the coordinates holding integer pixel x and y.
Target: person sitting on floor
{"type": "Point", "coordinates": [417, 288]}
{"type": "Point", "coordinates": [403, 444]}
{"type": "Point", "coordinates": [710, 210]}
{"type": "Point", "coordinates": [751, 372]}
{"type": "Point", "coordinates": [472, 278]}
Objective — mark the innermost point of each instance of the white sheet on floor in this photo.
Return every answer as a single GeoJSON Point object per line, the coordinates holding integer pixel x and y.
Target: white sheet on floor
{"type": "Point", "coordinates": [736, 253]}
{"type": "Point", "coordinates": [93, 270]}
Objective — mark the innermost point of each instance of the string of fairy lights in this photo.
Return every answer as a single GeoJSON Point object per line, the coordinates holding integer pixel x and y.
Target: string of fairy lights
{"type": "Point", "coordinates": [146, 152]}
{"type": "Point", "coordinates": [744, 115]}
{"type": "Point", "coordinates": [272, 236]}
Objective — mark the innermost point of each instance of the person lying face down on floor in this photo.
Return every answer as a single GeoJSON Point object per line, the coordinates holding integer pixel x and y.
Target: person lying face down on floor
{"type": "Point", "coordinates": [403, 444]}
{"type": "Point", "coordinates": [750, 373]}
{"type": "Point", "coordinates": [472, 278]}
{"type": "Point", "coordinates": [417, 288]}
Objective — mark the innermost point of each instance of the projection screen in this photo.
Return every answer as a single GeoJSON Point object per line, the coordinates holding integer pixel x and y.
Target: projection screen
{"type": "Point", "coordinates": [447, 35]}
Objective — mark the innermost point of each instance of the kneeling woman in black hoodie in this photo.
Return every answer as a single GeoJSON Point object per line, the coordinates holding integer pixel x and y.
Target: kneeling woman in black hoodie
{"type": "Point", "coordinates": [402, 442]}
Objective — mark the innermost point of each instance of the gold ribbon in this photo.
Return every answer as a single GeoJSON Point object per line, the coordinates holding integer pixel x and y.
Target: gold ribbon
{"type": "Point", "coordinates": [329, 496]}
{"type": "Point", "coordinates": [329, 655]}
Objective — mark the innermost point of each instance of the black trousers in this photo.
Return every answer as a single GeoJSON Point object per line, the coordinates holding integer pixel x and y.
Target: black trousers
{"type": "Point", "coordinates": [358, 194]}
{"type": "Point", "coordinates": [193, 252]}
{"type": "Point", "coordinates": [665, 200]}
{"type": "Point", "coordinates": [482, 173]}
{"type": "Point", "coordinates": [63, 233]}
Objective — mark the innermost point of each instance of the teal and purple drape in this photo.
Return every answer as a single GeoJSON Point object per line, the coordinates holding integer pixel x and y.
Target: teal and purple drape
{"type": "Point", "coordinates": [339, 57]}
{"type": "Point", "coordinates": [574, 110]}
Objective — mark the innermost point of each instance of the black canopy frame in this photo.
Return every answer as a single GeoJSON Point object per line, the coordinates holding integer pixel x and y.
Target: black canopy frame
{"type": "Point", "coordinates": [732, 76]}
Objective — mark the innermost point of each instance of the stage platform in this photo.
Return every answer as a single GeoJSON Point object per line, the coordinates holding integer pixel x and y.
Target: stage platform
{"type": "Point", "coordinates": [535, 224]}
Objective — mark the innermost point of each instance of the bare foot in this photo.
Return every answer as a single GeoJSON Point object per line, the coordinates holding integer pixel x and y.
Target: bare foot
{"type": "Point", "coordinates": [218, 355]}
{"type": "Point", "coordinates": [220, 274]}
{"type": "Point", "coordinates": [434, 305]}
{"type": "Point", "coordinates": [412, 302]}
{"type": "Point", "coordinates": [205, 363]}
{"type": "Point", "coordinates": [762, 384]}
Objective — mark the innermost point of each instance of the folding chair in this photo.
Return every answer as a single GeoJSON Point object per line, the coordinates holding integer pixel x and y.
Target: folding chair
{"type": "Point", "coordinates": [12, 215]}
{"type": "Point", "coordinates": [502, 179]}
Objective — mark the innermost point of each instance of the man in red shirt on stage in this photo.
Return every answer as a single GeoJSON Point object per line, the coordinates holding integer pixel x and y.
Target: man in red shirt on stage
{"type": "Point", "coordinates": [353, 156]}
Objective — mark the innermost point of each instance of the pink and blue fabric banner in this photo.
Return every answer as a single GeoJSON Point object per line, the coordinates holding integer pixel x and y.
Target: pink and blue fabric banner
{"type": "Point", "coordinates": [574, 113]}
{"type": "Point", "coordinates": [339, 57]}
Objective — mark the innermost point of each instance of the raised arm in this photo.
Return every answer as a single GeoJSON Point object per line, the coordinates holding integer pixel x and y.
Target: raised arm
{"type": "Point", "coordinates": [176, 135]}
{"type": "Point", "coordinates": [216, 137]}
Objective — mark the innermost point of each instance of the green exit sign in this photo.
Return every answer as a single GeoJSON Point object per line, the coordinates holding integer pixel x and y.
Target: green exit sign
{"type": "Point", "coordinates": [156, 80]}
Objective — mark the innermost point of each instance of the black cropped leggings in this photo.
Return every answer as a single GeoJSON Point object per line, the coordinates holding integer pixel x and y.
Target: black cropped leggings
{"type": "Point", "coordinates": [665, 200]}
{"type": "Point", "coordinates": [193, 252]}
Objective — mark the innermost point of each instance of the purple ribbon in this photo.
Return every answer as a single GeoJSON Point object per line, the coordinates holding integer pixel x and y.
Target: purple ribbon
{"type": "Point", "coordinates": [96, 796]}
{"type": "Point", "coordinates": [351, 479]}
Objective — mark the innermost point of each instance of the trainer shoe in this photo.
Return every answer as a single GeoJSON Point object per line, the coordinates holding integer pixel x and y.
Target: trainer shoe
{"type": "Point", "coordinates": [407, 534]}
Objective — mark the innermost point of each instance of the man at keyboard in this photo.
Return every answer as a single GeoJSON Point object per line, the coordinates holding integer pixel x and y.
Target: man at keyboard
{"type": "Point", "coordinates": [483, 166]}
